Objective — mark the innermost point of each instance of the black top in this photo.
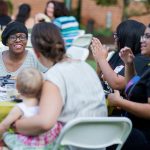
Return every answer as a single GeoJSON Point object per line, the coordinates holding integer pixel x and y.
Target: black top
{"type": "Point", "coordinates": [141, 65]}
{"type": "Point", "coordinates": [116, 62]}
{"type": "Point", "coordinates": [140, 61]}
{"type": "Point", "coordinates": [4, 20]}
{"type": "Point", "coordinates": [140, 93]}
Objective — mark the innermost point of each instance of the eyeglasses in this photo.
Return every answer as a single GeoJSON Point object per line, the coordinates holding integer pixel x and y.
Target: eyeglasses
{"type": "Point", "coordinates": [145, 37]}
{"type": "Point", "coordinates": [21, 37]}
{"type": "Point", "coordinates": [115, 35]}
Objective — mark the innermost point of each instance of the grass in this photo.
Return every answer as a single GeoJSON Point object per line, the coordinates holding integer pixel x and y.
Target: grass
{"type": "Point", "coordinates": [91, 63]}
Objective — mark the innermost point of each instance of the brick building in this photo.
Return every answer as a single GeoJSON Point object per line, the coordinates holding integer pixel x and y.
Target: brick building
{"type": "Point", "coordinates": [89, 11]}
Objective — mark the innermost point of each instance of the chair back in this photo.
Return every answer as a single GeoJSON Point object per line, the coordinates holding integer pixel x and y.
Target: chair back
{"type": "Point", "coordinates": [80, 47]}
{"type": "Point", "coordinates": [94, 133]}
{"type": "Point", "coordinates": [83, 41]}
{"type": "Point", "coordinates": [78, 53]}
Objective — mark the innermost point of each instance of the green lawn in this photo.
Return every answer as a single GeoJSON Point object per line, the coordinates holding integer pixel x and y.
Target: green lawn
{"type": "Point", "coordinates": [92, 63]}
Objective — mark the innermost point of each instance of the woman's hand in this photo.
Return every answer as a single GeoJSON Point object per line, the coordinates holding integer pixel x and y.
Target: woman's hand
{"type": "Point", "coordinates": [50, 109]}
{"type": "Point", "coordinates": [126, 55]}
{"type": "Point", "coordinates": [99, 51]}
{"type": "Point", "coordinates": [114, 98]}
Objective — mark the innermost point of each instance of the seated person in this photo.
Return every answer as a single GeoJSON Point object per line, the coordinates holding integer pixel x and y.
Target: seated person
{"type": "Point", "coordinates": [68, 25]}
{"type": "Point", "coordinates": [137, 103]}
{"type": "Point", "coordinates": [67, 94]}
{"type": "Point", "coordinates": [16, 57]}
{"type": "Point", "coordinates": [4, 17]}
{"type": "Point", "coordinates": [29, 84]}
{"type": "Point", "coordinates": [128, 33]}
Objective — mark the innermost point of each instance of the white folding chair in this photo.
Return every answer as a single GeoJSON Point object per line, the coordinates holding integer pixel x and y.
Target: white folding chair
{"type": "Point", "coordinates": [83, 41]}
{"type": "Point", "coordinates": [79, 48]}
{"type": "Point", "coordinates": [79, 53]}
{"type": "Point", "coordinates": [94, 133]}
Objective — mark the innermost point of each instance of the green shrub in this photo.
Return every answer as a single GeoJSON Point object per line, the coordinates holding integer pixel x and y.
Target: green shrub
{"type": "Point", "coordinates": [103, 32]}
{"type": "Point", "coordinates": [10, 6]}
{"type": "Point", "coordinates": [106, 2]}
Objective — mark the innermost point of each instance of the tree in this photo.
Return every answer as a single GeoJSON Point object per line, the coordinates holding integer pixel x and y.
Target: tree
{"type": "Point", "coordinates": [106, 2]}
{"type": "Point", "coordinates": [10, 6]}
{"type": "Point", "coordinates": [78, 11]}
{"type": "Point", "coordinates": [126, 3]}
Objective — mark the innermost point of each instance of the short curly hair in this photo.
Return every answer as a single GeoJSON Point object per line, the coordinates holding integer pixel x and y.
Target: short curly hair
{"type": "Point", "coordinates": [46, 39]}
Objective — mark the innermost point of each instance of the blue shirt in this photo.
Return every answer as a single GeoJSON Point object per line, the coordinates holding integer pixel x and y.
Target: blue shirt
{"type": "Point", "coordinates": [69, 28]}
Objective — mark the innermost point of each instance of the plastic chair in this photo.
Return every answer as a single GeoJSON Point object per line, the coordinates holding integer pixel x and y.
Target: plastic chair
{"type": "Point", "coordinates": [79, 48]}
{"type": "Point", "coordinates": [94, 133]}
{"type": "Point", "coordinates": [83, 41]}
{"type": "Point", "coordinates": [78, 53]}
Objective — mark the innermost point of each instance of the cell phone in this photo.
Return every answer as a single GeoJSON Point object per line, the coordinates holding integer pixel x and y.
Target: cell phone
{"type": "Point", "coordinates": [107, 93]}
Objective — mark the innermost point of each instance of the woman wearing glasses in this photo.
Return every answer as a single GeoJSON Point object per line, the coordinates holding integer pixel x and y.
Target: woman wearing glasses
{"type": "Point", "coordinates": [128, 33]}
{"type": "Point", "coordinates": [137, 105]}
{"type": "Point", "coordinates": [16, 57]}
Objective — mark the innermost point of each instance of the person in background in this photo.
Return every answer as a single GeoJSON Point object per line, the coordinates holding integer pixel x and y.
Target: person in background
{"type": "Point", "coordinates": [29, 84]}
{"type": "Point", "coordinates": [4, 17]}
{"type": "Point", "coordinates": [23, 16]}
{"type": "Point", "coordinates": [66, 93]}
{"type": "Point", "coordinates": [41, 17]}
{"type": "Point", "coordinates": [68, 25]}
{"type": "Point", "coordinates": [16, 57]}
{"type": "Point", "coordinates": [49, 9]}
{"type": "Point", "coordinates": [128, 33]}
{"type": "Point", "coordinates": [137, 104]}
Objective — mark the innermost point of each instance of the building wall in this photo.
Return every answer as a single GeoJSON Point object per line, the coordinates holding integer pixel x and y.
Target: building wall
{"type": "Point", "coordinates": [92, 11]}
{"type": "Point", "coordinates": [36, 5]}
{"type": "Point", "coordinates": [89, 11]}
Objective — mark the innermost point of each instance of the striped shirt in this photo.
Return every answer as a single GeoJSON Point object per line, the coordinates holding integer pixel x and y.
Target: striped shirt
{"type": "Point", "coordinates": [30, 61]}
{"type": "Point", "coordinates": [69, 28]}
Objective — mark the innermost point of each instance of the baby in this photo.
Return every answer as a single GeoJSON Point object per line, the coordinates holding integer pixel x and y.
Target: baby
{"type": "Point", "coordinates": [29, 84]}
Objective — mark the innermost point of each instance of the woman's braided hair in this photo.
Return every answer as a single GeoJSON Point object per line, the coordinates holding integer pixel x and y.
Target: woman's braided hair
{"type": "Point", "coordinates": [46, 39]}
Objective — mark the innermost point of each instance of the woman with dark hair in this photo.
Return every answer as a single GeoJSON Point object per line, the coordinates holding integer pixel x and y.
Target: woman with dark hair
{"type": "Point", "coordinates": [137, 103]}
{"type": "Point", "coordinates": [67, 93]}
{"type": "Point", "coordinates": [60, 16]}
{"type": "Point", "coordinates": [128, 34]}
{"type": "Point", "coordinates": [16, 57]}
{"type": "Point", "coordinates": [4, 18]}
{"type": "Point", "coordinates": [23, 15]}
{"type": "Point", "coordinates": [55, 9]}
